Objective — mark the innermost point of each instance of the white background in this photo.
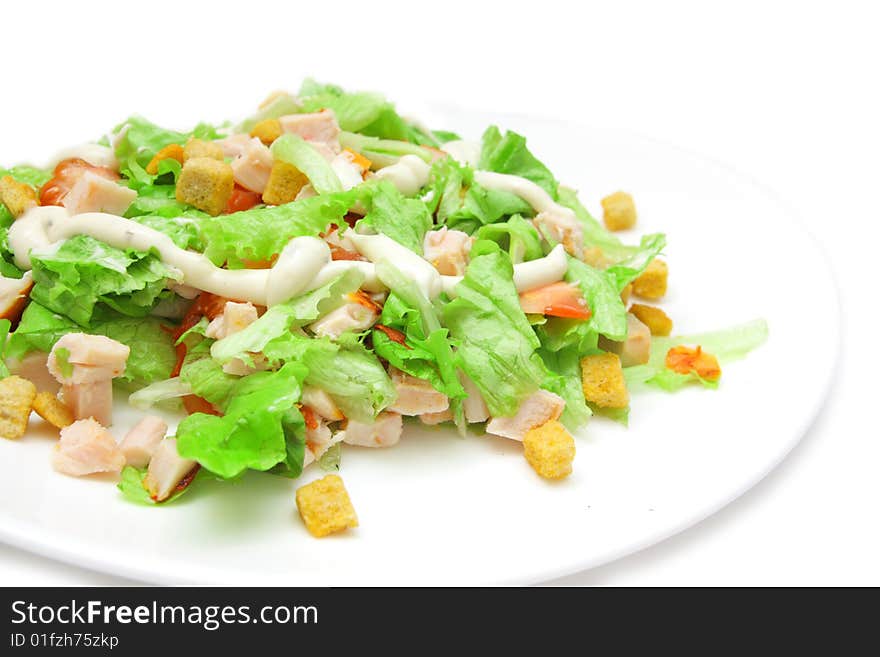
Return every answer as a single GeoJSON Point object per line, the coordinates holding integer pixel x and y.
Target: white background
{"type": "Point", "coordinates": [785, 92]}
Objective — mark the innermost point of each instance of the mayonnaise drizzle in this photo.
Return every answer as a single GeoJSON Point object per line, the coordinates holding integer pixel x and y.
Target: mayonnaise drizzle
{"type": "Point", "coordinates": [528, 191]}
{"type": "Point", "coordinates": [409, 174]}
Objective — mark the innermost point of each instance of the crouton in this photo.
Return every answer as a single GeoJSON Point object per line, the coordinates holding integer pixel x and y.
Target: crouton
{"type": "Point", "coordinates": [618, 211]}
{"type": "Point", "coordinates": [325, 506]}
{"type": "Point", "coordinates": [267, 131]}
{"type": "Point", "coordinates": [602, 379]}
{"type": "Point", "coordinates": [687, 360]}
{"type": "Point", "coordinates": [550, 450]}
{"type": "Point", "coordinates": [206, 184]}
{"type": "Point", "coordinates": [285, 182]}
{"type": "Point", "coordinates": [654, 318]}
{"type": "Point", "coordinates": [18, 197]}
{"type": "Point", "coordinates": [16, 398]}
{"type": "Point", "coordinates": [169, 152]}
{"type": "Point", "coordinates": [652, 283]}
{"type": "Point", "coordinates": [200, 148]}
{"type": "Point", "coordinates": [51, 409]}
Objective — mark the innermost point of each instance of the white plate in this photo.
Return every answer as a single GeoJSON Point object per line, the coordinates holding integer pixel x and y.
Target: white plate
{"type": "Point", "coordinates": [440, 510]}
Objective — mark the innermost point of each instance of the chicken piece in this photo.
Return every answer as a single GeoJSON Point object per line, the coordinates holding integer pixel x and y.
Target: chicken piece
{"type": "Point", "coordinates": [321, 403]}
{"type": "Point", "coordinates": [636, 349]}
{"type": "Point", "coordinates": [349, 173]}
{"type": "Point", "coordinates": [603, 381]}
{"type": "Point", "coordinates": [384, 432]}
{"type": "Point", "coordinates": [333, 238]}
{"type": "Point", "coordinates": [53, 410]}
{"type": "Point", "coordinates": [539, 408]}
{"type": "Point", "coordinates": [14, 294]}
{"type": "Point", "coordinates": [563, 226]}
{"type": "Point", "coordinates": [202, 148]}
{"type": "Point", "coordinates": [348, 317]}
{"type": "Point", "coordinates": [619, 211]}
{"type": "Point", "coordinates": [416, 396]}
{"type": "Point", "coordinates": [234, 318]}
{"type": "Point", "coordinates": [94, 193]}
{"type": "Point", "coordinates": [320, 127]}
{"type": "Point", "coordinates": [654, 318]}
{"type": "Point", "coordinates": [233, 145]}
{"type": "Point", "coordinates": [166, 470]}
{"type": "Point", "coordinates": [87, 447]}
{"type": "Point", "coordinates": [18, 197]}
{"type": "Point", "coordinates": [436, 418]}
{"type": "Point", "coordinates": [141, 441]}
{"type": "Point", "coordinates": [251, 169]}
{"type": "Point", "coordinates": [237, 367]}
{"type": "Point", "coordinates": [447, 250]}
{"type": "Point", "coordinates": [205, 183]}
{"type": "Point", "coordinates": [82, 358]}
{"type": "Point", "coordinates": [475, 409]}
{"type": "Point", "coordinates": [651, 284]}
{"type": "Point", "coordinates": [90, 400]}
{"type": "Point", "coordinates": [325, 506]}
{"type": "Point", "coordinates": [550, 450]}
{"type": "Point", "coordinates": [33, 368]}
{"type": "Point", "coordinates": [16, 399]}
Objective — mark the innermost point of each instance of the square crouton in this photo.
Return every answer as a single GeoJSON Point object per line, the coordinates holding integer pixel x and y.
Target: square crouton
{"type": "Point", "coordinates": [169, 152]}
{"type": "Point", "coordinates": [18, 197]}
{"type": "Point", "coordinates": [267, 131]}
{"type": "Point", "coordinates": [619, 211]}
{"type": "Point", "coordinates": [325, 506]}
{"type": "Point", "coordinates": [602, 378]}
{"type": "Point", "coordinates": [654, 318]}
{"type": "Point", "coordinates": [16, 398]}
{"type": "Point", "coordinates": [206, 184]}
{"type": "Point", "coordinates": [550, 450]}
{"type": "Point", "coordinates": [53, 410]}
{"type": "Point", "coordinates": [285, 182]}
{"type": "Point", "coordinates": [652, 283]}
{"type": "Point", "coordinates": [201, 148]}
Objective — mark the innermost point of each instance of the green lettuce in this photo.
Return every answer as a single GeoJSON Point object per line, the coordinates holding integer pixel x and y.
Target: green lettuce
{"type": "Point", "coordinates": [508, 154]}
{"type": "Point", "coordinates": [152, 355]}
{"type": "Point", "coordinates": [5, 325]}
{"type": "Point", "coordinates": [603, 299]}
{"type": "Point", "coordinates": [85, 272]}
{"type": "Point", "coordinates": [726, 345]}
{"type": "Point", "coordinates": [251, 434]}
{"type": "Point", "coordinates": [279, 106]}
{"type": "Point", "coordinates": [261, 233]}
{"type": "Point", "coordinates": [497, 347]}
{"type": "Point", "coordinates": [383, 152]}
{"type": "Point", "coordinates": [184, 231]}
{"type": "Point", "coordinates": [564, 379]}
{"type": "Point", "coordinates": [131, 485]}
{"type": "Point", "coordinates": [404, 220]}
{"type": "Point", "coordinates": [627, 270]}
{"type": "Point", "coordinates": [518, 236]}
{"type": "Point", "coordinates": [295, 150]}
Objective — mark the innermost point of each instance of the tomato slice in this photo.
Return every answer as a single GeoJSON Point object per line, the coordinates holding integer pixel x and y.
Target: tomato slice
{"type": "Point", "coordinates": [196, 404]}
{"type": "Point", "coordinates": [556, 300]}
{"type": "Point", "coordinates": [685, 360]}
{"type": "Point", "coordinates": [66, 173]}
{"type": "Point", "coordinates": [242, 199]}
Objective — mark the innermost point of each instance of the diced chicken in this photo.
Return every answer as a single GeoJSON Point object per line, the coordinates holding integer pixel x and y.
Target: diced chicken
{"type": "Point", "coordinates": [143, 439]}
{"type": "Point", "coordinates": [416, 396]}
{"type": "Point", "coordinates": [475, 409]}
{"type": "Point", "coordinates": [322, 403]}
{"type": "Point", "coordinates": [167, 468]}
{"type": "Point", "coordinates": [333, 238]}
{"type": "Point", "coordinates": [320, 438]}
{"type": "Point", "coordinates": [538, 409]}
{"type": "Point", "coordinates": [320, 127]}
{"type": "Point", "coordinates": [563, 227]}
{"type": "Point", "coordinates": [349, 173]}
{"type": "Point", "coordinates": [348, 317]}
{"type": "Point", "coordinates": [85, 366]}
{"type": "Point", "coordinates": [448, 250]}
{"type": "Point", "coordinates": [86, 447]}
{"type": "Point", "coordinates": [251, 169]}
{"type": "Point", "coordinates": [234, 318]}
{"type": "Point", "coordinates": [636, 349]}
{"type": "Point", "coordinates": [384, 432]}
{"type": "Point", "coordinates": [93, 193]}
{"type": "Point", "coordinates": [234, 145]}
{"type": "Point", "coordinates": [14, 296]}
{"type": "Point", "coordinates": [436, 418]}
{"type": "Point", "coordinates": [33, 368]}
{"type": "Point", "coordinates": [237, 367]}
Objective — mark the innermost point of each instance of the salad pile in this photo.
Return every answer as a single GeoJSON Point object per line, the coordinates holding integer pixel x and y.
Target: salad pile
{"type": "Point", "coordinates": [308, 278]}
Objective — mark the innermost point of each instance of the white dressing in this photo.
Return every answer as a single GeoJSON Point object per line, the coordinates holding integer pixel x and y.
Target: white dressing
{"type": "Point", "coordinates": [412, 265]}
{"type": "Point", "coordinates": [463, 151]}
{"type": "Point", "coordinates": [409, 174]}
{"type": "Point", "coordinates": [95, 154]}
{"type": "Point", "coordinates": [528, 191]}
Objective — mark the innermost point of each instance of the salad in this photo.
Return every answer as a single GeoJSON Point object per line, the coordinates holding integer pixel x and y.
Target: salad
{"type": "Point", "coordinates": [311, 280]}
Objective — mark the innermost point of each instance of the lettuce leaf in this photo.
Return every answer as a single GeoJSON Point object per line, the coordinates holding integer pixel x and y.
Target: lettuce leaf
{"type": "Point", "coordinates": [518, 236]}
{"type": "Point", "coordinates": [84, 272]}
{"type": "Point", "coordinates": [261, 233]}
{"type": "Point", "coordinates": [497, 347]}
{"type": "Point", "coordinates": [627, 270]}
{"type": "Point", "coordinates": [726, 345]}
{"type": "Point", "coordinates": [564, 379]}
{"type": "Point", "coordinates": [383, 152]}
{"type": "Point", "coordinates": [405, 220]}
{"type": "Point", "coordinates": [152, 355]}
{"type": "Point", "coordinates": [508, 154]}
{"type": "Point", "coordinates": [5, 325]}
{"type": "Point", "coordinates": [595, 234]}
{"type": "Point", "coordinates": [250, 435]}
{"type": "Point", "coordinates": [131, 485]}
{"type": "Point", "coordinates": [603, 298]}
{"type": "Point", "coordinates": [295, 150]}
{"type": "Point", "coordinates": [183, 231]}
{"type": "Point", "coordinates": [280, 105]}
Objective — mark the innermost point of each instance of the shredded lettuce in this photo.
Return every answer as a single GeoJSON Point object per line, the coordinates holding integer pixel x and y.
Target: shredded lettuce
{"type": "Point", "coordinates": [626, 271]}
{"type": "Point", "coordinates": [404, 220]}
{"type": "Point", "coordinates": [508, 154]}
{"type": "Point", "coordinates": [280, 105]}
{"type": "Point", "coordinates": [295, 150]}
{"type": "Point", "coordinates": [5, 325]}
{"type": "Point", "coordinates": [603, 299]}
{"type": "Point", "coordinates": [518, 236]}
{"type": "Point", "coordinates": [726, 345]}
{"type": "Point", "coordinates": [564, 378]}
